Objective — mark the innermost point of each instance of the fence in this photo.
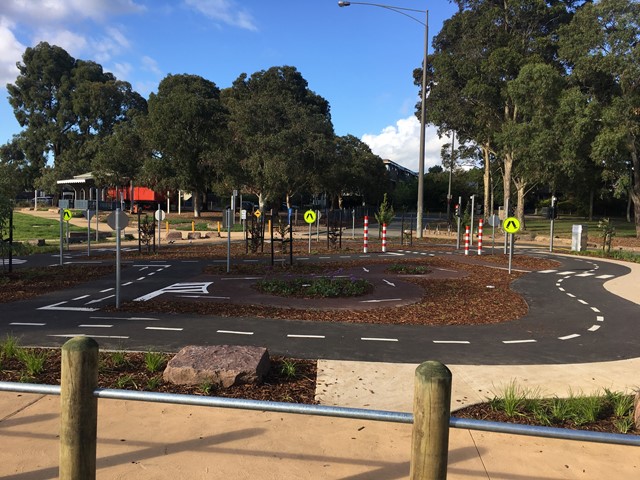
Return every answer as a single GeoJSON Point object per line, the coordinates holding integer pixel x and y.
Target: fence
{"type": "Point", "coordinates": [431, 417]}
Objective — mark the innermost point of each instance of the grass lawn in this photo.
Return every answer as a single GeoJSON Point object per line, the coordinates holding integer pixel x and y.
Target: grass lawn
{"type": "Point", "coordinates": [28, 227]}
{"type": "Point", "coordinates": [562, 226]}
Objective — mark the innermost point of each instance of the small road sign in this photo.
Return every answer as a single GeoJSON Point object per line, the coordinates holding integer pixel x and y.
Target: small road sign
{"type": "Point", "coordinates": [88, 214]}
{"type": "Point", "coordinates": [511, 225]}
{"type": "Point", "coordinates": [159, 215]}
{"type": "Point", "coordinates": [309, 216]}
{"type": "Point", "coordinates": [494, 220]}
{"type": "Point", "coordinates": [123, 220]}
{"type": "Point", "coordinates": [66, 215]}
{"type": "Point", "coordinates": [257, 213]}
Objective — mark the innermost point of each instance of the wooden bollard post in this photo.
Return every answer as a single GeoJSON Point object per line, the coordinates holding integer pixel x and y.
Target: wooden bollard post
{"type": "Point", "coordinates": [79, 409]}
{"type": "Point", "coordinates": [431, 413]}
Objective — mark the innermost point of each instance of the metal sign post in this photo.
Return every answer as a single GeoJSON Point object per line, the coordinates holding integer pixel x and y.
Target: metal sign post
{"type": "Point", "coordinates": [553, 216]}
{"type": "Point", "coordinates": [117, 257]}
{"type": "Point", "coordinates": [88, 215]}
{"type": "Point", "coordinates": [61, 234]}
{"type": "Point", "coordinates": [510, 250]}
{"type": "Point", "coordinates": [228, 240]}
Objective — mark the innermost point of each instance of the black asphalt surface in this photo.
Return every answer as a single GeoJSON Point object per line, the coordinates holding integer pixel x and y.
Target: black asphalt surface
{"type": "Point", "coordinates": [571, 319]}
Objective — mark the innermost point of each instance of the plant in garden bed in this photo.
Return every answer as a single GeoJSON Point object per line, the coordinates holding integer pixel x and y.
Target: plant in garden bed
{"type": "Point", "coordinates": [318, 287]}
{"type": "Point", "coordinates": [154, 361]}
{"type": "Point", "coordinates": [407, 269]}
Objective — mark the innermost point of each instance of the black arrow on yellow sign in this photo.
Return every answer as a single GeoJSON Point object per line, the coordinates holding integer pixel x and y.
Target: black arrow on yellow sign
{"type": "Point", "coordinates": [511, 225]}
{"type": "Point", "coordinates": [309, 216]}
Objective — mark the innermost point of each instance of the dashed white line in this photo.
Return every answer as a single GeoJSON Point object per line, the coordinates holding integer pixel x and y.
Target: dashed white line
{"type": "Point", "coordinates": [71, 335]}
{"type": "Point", "coordinates": [547, 271]}
{"type": "Point", "coordinates": [170, 329]}
{"type": "Point", "coordinates": [124, 318]}
{"type": "Point", "coordinates": [376, 339]}
{"type": "Point", "coordinates": [571, 295]}
{"type": "Point", "coordinates": [98, 300]}
{"type": "Point", "coordinates": [583, 302]}
{"type": "Point", "coordinates": [593, 328]}
{"type": "Point", "coordinates": [126, 284]}
{"type": "Point", "coordinates": [141, 278]}
{"type": "Point", "coordinates": [569, 337]}
{"type": "Point", "coordinates": [381, 300]}
{"type": "Point", "coordinates": [388, 282]}
{"type": "Point", "coordinates": [595, 309]}
{"type": "Point", "coordinates": [561, 289]}
{"type": "Point", "coordinates": [234, 332]}
{"type": "Point", "coordinates": [106, 290]}
{"type": "Point", "coordinates": [529, 340]}
{"type": "Point", "coordinates": [455, 342]}
{"type": "Point", "coordinates": [94, 326]}
{"type": "Point", "coordinates": [56, 306]}
{"type": "Point", "coordinates": [80, 297]}
{"type": "Point", "coordinates": [27, 324]}
{"type": "Point", "coordinates": [585, 274]}
{"type": "Point", "coordinates": [604, 277]}
{"type": "Point", "coordinates": [566, 273]}
{"type": "Point", "coordinates": [599, 318]}
{"type": "Point", "coordinates": [292, 335]}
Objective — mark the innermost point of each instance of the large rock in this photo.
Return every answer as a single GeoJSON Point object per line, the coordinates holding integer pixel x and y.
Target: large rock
{"type": "Point", "coordinates": [221, 365]}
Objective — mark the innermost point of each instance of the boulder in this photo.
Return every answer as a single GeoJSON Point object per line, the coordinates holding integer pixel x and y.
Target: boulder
{"type": "Point", "coordinates": [173, 235]}
{"type": "Point", "coordinates": [194, 235]}
{"type": "Point", "coordinates": [221, 365]}
{"type": "Point", "coordinates": [636, 410]}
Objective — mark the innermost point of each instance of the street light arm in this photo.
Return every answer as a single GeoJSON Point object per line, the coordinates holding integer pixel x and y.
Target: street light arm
{"type": "Point", "coordinates": [388, 7]}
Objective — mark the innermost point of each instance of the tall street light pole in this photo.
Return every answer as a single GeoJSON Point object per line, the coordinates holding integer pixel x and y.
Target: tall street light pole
{"type": "Point", "coordinates": [423, 95]}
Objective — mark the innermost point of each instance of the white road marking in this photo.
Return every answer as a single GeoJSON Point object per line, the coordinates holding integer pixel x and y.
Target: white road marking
{"type": "Point", "coordinates": [593, 328]}
{"type": "Point", "coordinates": [98, 300]}
{"type": "Point", "coordinates": [56, 306]}
{"type": "Point", "coordinates": [586, 274]}
{"type": "Point", "coordinates": [187, 287]}
{"type": "Point", "coordinates": [381, 300]}
{"type": "Point", "coordinates": [569, 337]}
{"type": "Point", "coordinates": [303, 258]}
{"type": "Point", "coordinates": [152, 273]}
{"type": "Point", "coordinates": [143, 268]}
{"type": "Point", "coordinates": [595, 309]}
{"type": "Point", "coordinates": [599, 318]}
{"type": "Point", "coordinates": [566, 273]}
{"type": "Point", "coordinates": [124, 318]}
{"type": "Point", "coordinates": [583, 302]}
{"type": "Point", "coordinates": [530, 340]}
{"type": "Point", "coordinates": [141, 278]}
{"type": "Point", "coordinates": [561, 289]}
{"type": "Point", "coordinates": [604, 277]}
{"type": "Point", "coordinates": [388, 282]}
{"type": "Point", "coordinates": [71, 335]}
{"type": "Point", "coordinates": [170, 329]}
{"type": "Point", "coordinates": [106, 290]}
{"type": "Point", "coordinates": [456, 342]}
{"type": "Point", "coordinates": [94, 326]}
{"type": "Point", "coordinates": [234, 332]}
{"type": "Point", "coordinates": [375, 339]}
{"type": "Point", "coordinates": [365, 269]}
{"type": "Point", "coordinates": [241, 278]}
{"type": "Point", "coordinates": [26, 324]}
{"type": "Point", "coordinates": [80, 298]}
{"type": "Point", "coordinates": [126, 284]}
{"type": "Point", "coordinates": [547, 271]}
{"type": "Point", "coordinates": [391, 254]}
{"type": "Point", "coordinates": [305, 336]}
{"type": "Point", "coordinates": [571, 295]}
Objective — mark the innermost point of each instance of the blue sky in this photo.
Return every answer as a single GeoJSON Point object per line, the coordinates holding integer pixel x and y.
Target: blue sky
{"type": "Point", "coordinates": [360, 58]}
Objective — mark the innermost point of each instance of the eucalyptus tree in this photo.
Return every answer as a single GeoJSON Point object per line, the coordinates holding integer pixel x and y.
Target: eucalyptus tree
{"type": "Point", "coordinates": [602, 48]}
{"type": "Point", "coordinates": [479, 51]}
{"type": "Point", "coordinates": [186, 129]}
{"type": "Point", "coordinates": [65, 107]}
{"type": "Point", "coordinates": [281, 133]}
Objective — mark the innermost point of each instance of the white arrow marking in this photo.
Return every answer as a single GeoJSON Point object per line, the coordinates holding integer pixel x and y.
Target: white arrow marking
{"type": "Point", "coordinates": [365, 269]}
{"type": "Point", "coordinates": [56, 306]}
{"type": "Point", "coordinates": [98, 300]}
{"type": "Point", "coordinates": [189, 287]}
{"type": "Point", "coordinates": [388, 282]}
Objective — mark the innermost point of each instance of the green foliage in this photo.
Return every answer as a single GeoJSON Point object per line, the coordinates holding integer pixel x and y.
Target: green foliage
{"type": "Point", "coordinates": [125, 381]}
{"type": "Point", "coordinates": [205, 388]}
{"type": "Point", "coordinates": [154, 361]}
{"type": "Point", "coordinates": [9, 346]}
{"type": "Point", "coordinates": [154, 382]}
{"type": "Point", "coordinates": [607, 232]}
{"type": "Point", "coordinates": [118, 358]}
{"type": "Point", "coordinates": [385, 212]}
{"type": "Point", "coordinates": [321, 287]}
{"type": "Point", "coordinates": [406, 269]}
{"type": "Point", "coordinates": [33, 360]}
{"type": "Point", "coordinates": [289, 368]}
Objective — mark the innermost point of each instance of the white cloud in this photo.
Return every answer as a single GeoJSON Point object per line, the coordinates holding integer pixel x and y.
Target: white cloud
{"type": "Point", "coordinates": [72, 42]}
{"type": "Point", "coordinates": [121, 70]}
{"type": "Point", "coordinates": [150, 65]}
{"type": "Point", "coordinates": [401, 144]}
{"type": "Point", "coordinates": [53, 11]}
{"type": "Point", "coordinates": [10, 53]}
{"type": "Point", "coordinates": [225, 11]}
{"type": "Point", "coordinates": [110, 45]}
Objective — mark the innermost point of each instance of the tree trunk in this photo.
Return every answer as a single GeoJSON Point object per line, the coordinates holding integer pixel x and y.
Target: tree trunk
{"type": "Point", "coordinates": [487, 182]}
{"type": "Point", "coordinates": [592, 195]}
{"type": "Point", "coordinates": [195, 198]}
{"type": "Point", "coordinates": [506, 180]}
{"type": "Point", "coordinates": [521, 186]}
{"type": "Point", "coordinates": [629, 205]}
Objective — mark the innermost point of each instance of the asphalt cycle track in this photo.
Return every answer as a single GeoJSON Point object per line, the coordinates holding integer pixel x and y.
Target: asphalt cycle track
{"type": "Point", "coordinates": [571, 318]}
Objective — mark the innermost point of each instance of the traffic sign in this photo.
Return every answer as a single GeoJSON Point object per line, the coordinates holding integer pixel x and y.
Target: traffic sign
{"type": "Point", "coordinates": [88, 214]}
{"type": "Point", "coordinates": [494, 220]}
{"type": "Point", "coordinates": [66, 215]}
{"type": "Point", "coordinates": [511, 225]}
{"type": "Point", "coordinates": [159, 215]}
{"type": "Point", "coordinates": [123, 220]}
{"type": "Point", "coordinates": [257, 213]}
{"type": "Point", "coordinates": [309, 216]}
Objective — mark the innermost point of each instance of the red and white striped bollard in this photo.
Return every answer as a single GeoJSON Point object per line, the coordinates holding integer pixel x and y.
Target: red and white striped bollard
{"type": "Point", "coordinates": [366, 234]}
{"type": "Point", "coordinates": [480, 221]}
{"type": "Point", "coordinates": [466, 240]}
{"type": "Point", "coordinates": [384, 237]}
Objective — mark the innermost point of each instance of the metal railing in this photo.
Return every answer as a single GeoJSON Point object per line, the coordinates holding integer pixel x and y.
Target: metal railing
{"type": "Point", "coordinates": [337, 412]}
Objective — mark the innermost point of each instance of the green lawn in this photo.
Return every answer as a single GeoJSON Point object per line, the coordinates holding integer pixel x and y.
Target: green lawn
{"type": "Point", "coordinates": [28, 227]}
{"type": "Point", "coordinates": [562, 226]}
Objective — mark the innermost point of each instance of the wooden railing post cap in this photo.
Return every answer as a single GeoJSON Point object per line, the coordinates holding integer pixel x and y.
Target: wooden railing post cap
{"type": "Point", "coordinates": [433, 369]}
{"type": "Point", "coordinates": [80, 343]}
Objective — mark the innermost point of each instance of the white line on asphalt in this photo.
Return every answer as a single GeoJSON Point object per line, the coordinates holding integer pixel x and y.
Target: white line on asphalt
{"type": "Point", "coordinates": [189, 261]}
{"type": "Point", "coordinates": [530, 340]}
{"type": "Point", "coordinates": [302, 258]}
{"type": "Point", "coordinates": [323, 258]}
{"type": "Point", "coordinates": [388, 282]}
{"type": "Point", "coordinates": [71, 335]}
{"type": "Point", "coordinates": [126, 284]}
{"type": "Point", "coordinates": [569, 337]}
{"type": "Point", "coordinates": [106, 290]}
{"type": "Point", "coordinates": [362, 256]}
{"type": "Point", "coordinates": [344, 256]}
{"type": "Point", "coordinates": [141, 278]}
{"type": "Point", "coordinates": [241, 278]}
{"type": "Point", "coordinates": [571, 295]}
{"type": "Point", "coordinates": [94, 326]}
{"type": "Point", "coordinates": [234, 332]}
{"type": "Point", "coordinates": [365, 269]}
{"type": "Point", "coordinates": [304, 336]}
{"type": "Point", "coordinates": [80, 298]}
{"type": "Point", "coordinates": [56, 306]}
{"type": "Point", "coordinates": [375, 339]}
{"type": "Point", "coordinates": [152, 273]}
{"type": "Point", "coordinates": [143, 268]}
{"type": "Point", "coordinates": [586, 274]}
{"type": "Point", "coordinates": [595, 309]}
{"type": "Point", "coordinates": [390, 254]}
{"type": "Point", "coordinates": [381, 300]}
{"type": "Point", "coordinates": [604, 277]}
{"type": "Point", "coordinates": [26, 324]}
{"type": "Point", "coordinates": [170, 329]}
{"type": "Point", "coordinates": [98, 300]}
{"type": "Point", "coordinates": [123, 318]}
{"type": "Point", "coordinates": [561, 289]}
{"type": "Point", "coordinates": [593, 328]}
{"type": "Point", "coordinates": [599, 318]}
{"type": "Point", "coordinates": [457, 342]}
{"type": "Point", "coordinates": [547, 271]}
{"type": "Point", "coordinates": [561, 280]}
{"type": "Point", "coordinates": [583, 302]}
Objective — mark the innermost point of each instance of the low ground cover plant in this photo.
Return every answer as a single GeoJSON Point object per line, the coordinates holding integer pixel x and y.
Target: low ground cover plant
{"type": "Point", "coordinates": [317, 287]}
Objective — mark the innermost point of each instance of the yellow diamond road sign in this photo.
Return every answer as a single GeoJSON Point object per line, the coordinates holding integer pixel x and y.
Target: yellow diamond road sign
{"type": "Point", "coordinates": [309, 216]}
{"type": "Point", "coordinates": [511, 225]}
{"type": "Point", "coordinates": [66, 215]}
{"type": "Point", "coordinates": [257, 213]}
